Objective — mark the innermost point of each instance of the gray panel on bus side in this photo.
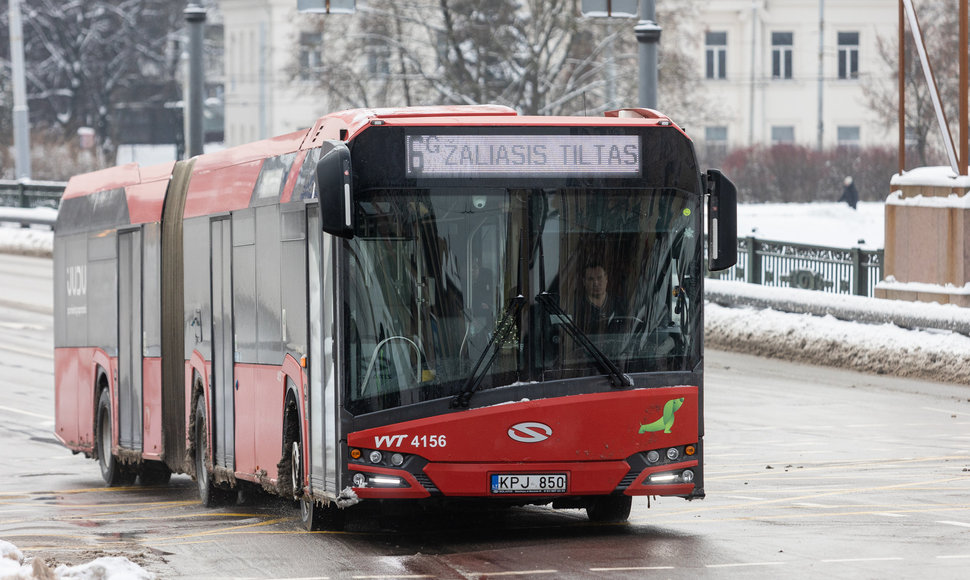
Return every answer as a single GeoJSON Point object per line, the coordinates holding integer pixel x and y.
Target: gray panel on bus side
{"type": "Point", "coordinates": [268, 296]}
{"type": "Point", "coordinates": [130, 340]}
{"type": "Point", "coordinates": [223, 392]}
{"type": "Point", "coordinates": [102, 292]}
{"type": "Point", "coordinates": [293, 279]}
{"type": "Point", "coordinates": [323, 393]}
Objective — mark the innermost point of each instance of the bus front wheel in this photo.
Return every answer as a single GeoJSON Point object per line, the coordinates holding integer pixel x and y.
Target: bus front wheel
{"type": "Point", "coordinates": [609, 508]}
{"type": "Point", "coordinates": [113, 471]}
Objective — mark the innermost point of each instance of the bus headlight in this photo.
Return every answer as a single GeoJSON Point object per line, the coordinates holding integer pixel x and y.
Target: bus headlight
{"type": "Point", "coordinates": [375, 457]}
{"type": "Point", "coordinates": [653, 456]}
{"type": "Point", "coordinates": [397, 460]}
{"type": "Point", "coordinates": [673, 453]}
{"type": "Point", "coordinates": [687, 476]}
{"type": "Point", "coordinates": [360, 480]}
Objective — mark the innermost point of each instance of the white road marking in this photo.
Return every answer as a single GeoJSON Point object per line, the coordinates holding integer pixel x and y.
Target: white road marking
{"type": "Point", "coordinates": [839, 560]}
{"type": "Point", "coordinates": [950, 523]}
{"type": "Point", "coordinates": [632, 569]}
{"type": "Point", "coordinates": [951, 411]}
{"type": "Point", "coordinates": [815, 505]}
{"type": "Point", "coordinates": [516, 573]}
{"type": "Point", "coordinates": [28, 352]}
{"type": "Point", "coordinates": [890, 515]}
{"type": "Point", "coordinates": [28, 413]}
{"type": "Point", "coordinates": [742, 564]}
{"type": "Point", "coordinates": [389, 577]}
{"type": "Point", "coordinates": [953, 556]}
{"type": "Point", "coordinates": [747, 497]}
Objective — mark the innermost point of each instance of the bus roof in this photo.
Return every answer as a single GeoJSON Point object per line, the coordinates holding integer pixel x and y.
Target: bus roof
{"type": "Point", "coordinates": [145, 186]}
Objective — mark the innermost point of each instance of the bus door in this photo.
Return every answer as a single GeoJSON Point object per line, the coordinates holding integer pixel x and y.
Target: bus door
{"type": "Point", "coordinates": [129, 340]}
{"type": "Point", "coordinates": [322, 388]}
{"type": "Point", "coordinates": [222, 399]}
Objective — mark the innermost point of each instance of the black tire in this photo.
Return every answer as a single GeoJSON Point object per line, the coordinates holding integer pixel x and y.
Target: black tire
{"type": "Point", "coordinates": [209, 494]}
{"type": "Point", "coordinates": [113, 471]}
{"type": "Point", "coordinates": [310, 512]}
{"type": "Point", "coordinates": [609, 508]}
{"type": "Point", "coordinates": [313, 516]}
{"type": "Point", "coordinates": [154, 473]}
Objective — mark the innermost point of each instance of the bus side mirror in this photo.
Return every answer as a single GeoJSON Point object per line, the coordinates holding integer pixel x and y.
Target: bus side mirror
{"type": "Point", "coordinates": [722, 221]}
{"type": "Point", "coordinates": [335, 188]}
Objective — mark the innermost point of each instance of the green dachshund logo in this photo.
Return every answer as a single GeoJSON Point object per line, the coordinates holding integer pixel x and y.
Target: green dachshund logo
{"type": "Point", "coordinates": [667, 421]}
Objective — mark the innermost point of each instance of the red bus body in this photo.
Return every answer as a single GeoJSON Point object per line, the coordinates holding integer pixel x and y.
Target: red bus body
{"type": "Point", "coordinates": [211, 321]}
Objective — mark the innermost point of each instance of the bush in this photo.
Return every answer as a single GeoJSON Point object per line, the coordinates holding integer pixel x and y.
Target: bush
{"type": "Point", "coordinates": [792, 173]}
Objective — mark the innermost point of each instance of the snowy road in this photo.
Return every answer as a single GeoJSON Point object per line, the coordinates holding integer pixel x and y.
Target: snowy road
{"type": "Point", "coordinates": [810, 471]}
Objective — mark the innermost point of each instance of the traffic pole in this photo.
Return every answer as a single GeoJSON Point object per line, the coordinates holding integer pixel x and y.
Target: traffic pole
{"type": "Point", "coordinates": [648, 37]}
{"type": "Point", "coordinates": [21, 112]}
{"type": "Point", "coordinates": [194, 134]}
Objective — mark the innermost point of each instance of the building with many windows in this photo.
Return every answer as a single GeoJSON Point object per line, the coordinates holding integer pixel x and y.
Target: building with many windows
{"type": "Point", "coordinates": [793, 71]}
{"type": "Point", "coordinates": [265, 95]}
{"type": "Point", "coordinates": [771, 79]}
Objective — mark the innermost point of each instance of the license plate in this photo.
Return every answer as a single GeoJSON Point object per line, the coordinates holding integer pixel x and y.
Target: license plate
{"type": "Point", "coordinates": [528, 482]}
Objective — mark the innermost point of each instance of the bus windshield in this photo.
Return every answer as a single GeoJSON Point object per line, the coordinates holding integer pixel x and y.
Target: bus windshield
{"type": "Point", "coordinates": [608, 274]}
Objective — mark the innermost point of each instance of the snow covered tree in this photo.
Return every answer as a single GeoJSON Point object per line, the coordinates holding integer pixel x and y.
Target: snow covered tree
{"type": "Point", "coordinates": [85, 58]}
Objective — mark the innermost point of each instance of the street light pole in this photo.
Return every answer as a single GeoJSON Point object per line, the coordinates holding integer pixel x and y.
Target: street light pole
{"type": "Point", "coordinates": [194, 134]}
{"type": "Point", "coordinates": [21, 112]}
{"type": "Point", "coordinates": [648, 37]}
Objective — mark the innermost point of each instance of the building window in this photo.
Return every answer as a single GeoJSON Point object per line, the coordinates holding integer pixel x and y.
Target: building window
{"type": "Point", "coordinates": [848, 136]}
{"type": "Point", "coordinates": [715, 139]}
{"type": "Point", "coordinates": [310, 55]}
{"type": "Point", "coordinates": [781, 54]}
{"type": "Point", "coordinates": [716, 49]}
{"type": "Point", "coordinates": [378, 60]}
{"type": "Point", "coordinates": [782, 135]}
{"type": "Point", "coordinates": [848, 55]}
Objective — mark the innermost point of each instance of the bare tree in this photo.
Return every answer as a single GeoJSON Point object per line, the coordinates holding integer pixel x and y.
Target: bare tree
{"type": "Point", "coordinates": [882, 90]}
{"type": "Point", "coordinates": [536, 56]}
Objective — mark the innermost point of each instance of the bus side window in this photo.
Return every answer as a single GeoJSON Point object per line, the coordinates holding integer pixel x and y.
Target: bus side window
{"type": "Point", "coordinates": [306, 183]}
{"type": "Point", "coordinates": [272, 178]}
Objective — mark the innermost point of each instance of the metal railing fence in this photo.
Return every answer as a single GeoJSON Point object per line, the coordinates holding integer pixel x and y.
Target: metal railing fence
{"type": "Point", "coordinates": [29, 193]}
{"type": "Point", "coordinates": [826, 269]}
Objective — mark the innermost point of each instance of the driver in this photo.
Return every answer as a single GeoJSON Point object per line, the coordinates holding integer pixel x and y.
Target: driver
{"type": "Point", "coordinates": [598, 305]}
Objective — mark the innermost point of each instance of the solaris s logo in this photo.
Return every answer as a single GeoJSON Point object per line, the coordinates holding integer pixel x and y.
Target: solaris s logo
{"type": "Point", "coordinates": [530, 432]}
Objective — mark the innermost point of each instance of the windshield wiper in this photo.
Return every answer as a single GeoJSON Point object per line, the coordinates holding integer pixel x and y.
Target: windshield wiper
{"type": "Point", "coordinates": [494, 343]}
{"type": "Point", "coordinates": [617, 377]}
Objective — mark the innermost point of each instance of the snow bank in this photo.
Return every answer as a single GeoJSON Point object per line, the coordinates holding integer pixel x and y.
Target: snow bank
{"type": "Point", "coordinates": [13, 566]}
{"type": "Point", "coordinates": [911, 315]}
{"type": "Point", "coordinates": [28, 242]}
{"type": "Point", "coordinates": [824, 340]}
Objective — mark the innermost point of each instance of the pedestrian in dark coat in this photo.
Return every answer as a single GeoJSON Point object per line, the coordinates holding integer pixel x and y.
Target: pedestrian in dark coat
{"type": "Point", "coordinates": [850, 194]}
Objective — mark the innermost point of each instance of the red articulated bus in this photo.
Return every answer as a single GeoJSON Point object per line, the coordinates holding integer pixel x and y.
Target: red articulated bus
{"type": "Point", "coordinates": [431, 303]}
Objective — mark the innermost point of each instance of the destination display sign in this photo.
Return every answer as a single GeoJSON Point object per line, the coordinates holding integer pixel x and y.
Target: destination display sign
{"type": "Point", "coordinates": [484, 156]}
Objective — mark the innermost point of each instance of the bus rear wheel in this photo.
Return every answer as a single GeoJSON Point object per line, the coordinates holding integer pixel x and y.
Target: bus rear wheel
{"type": "Point", "coordinates": [209, 493]}
{"type": "Point", "coordinates": [113, 471]}
{"type": "Point", "coordinates": [609, 508]}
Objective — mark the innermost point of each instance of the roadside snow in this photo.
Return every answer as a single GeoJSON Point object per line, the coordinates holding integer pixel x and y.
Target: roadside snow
{"type": "Point", "coordinates": [26, 241]}
{"type": "Point", "coordinates": [13, 566]}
